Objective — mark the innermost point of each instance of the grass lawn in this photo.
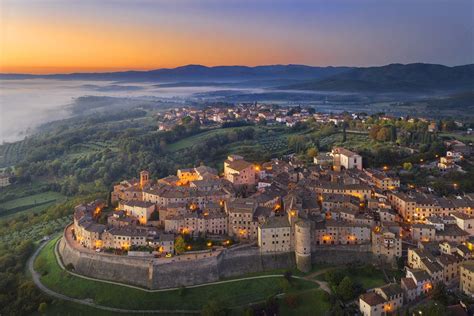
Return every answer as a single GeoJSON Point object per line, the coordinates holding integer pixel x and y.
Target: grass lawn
{"type": "Point", "coordinates": [228, 294]}
{"type": "Point", "coordinates": [312, 302]}
{"type": "Point", "coordinates": [368, 278]}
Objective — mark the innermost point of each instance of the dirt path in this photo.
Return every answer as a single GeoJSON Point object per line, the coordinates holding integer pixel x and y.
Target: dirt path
{"type": "Point", "coordinates": [322, 284]}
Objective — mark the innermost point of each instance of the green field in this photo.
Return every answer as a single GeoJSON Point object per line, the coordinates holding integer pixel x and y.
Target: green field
{"type": "Point", "coordinates": [235, 294]}
{"type": "Point", "coordinates": [463, 138]}
{"type": "Point", "coordinates": [30, 203]}
{"type": "Point", "coordinates": [352, 141]}
{"type": "Point", "coordinates": [37, 231]}
{"type": "Point", "coordinates": [12, 153]}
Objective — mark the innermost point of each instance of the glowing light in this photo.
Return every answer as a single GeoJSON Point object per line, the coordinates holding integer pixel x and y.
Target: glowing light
{"type": "Point", "coordinates": [97, 211]}
{"type": "Point", "coordinates": [257, 168]}
{"type": "Point", "coordinates": [98, 243]}
{"type": "Point", "coordinates": [326, 237]}
{"type": "Point", "coordinates": [209, 244]}
{"type": "Point", "coordinates": [385, 168]}
{"type": "Point", "coordinates": [293, 213]}
{"type": "Point", "coordinates": [188, 247]}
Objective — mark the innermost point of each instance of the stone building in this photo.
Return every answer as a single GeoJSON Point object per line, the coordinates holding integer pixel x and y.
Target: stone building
{"type": "Point", "coordinates": [239, 172]}
{"type": "Point", "coordinates": [386, 245]}
{"type": "Point", "coordinates": [275, 235]}
{"type": "Point", "coordinates": [466, 282]}
{"type": "Point", "coordinates": [346, 158]}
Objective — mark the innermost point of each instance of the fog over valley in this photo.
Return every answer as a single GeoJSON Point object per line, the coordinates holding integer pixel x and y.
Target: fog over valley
{"type": "Point", "coordinates": [26, 104]}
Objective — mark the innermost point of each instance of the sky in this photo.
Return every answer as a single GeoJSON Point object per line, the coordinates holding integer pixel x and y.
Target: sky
{"type": "Point", "coordinates": [57, 36]}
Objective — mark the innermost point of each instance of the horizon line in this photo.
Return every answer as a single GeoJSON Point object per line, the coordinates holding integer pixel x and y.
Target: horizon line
{"type": "Point", "coordinates": [90, 70]}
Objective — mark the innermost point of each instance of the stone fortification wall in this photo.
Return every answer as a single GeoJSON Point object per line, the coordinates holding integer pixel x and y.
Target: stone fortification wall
{"type": "Point", "coordinates": [155, 274]}
{"type": "Point", "coordinates": [159, 274]}
{"type": "Point", "coordinates": [342, 254]}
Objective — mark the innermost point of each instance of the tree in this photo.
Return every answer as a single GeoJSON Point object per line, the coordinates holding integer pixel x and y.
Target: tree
{"type": "Point", "coordinates": [345, 289]}
{"type": "Point", "coordinates": [42, 308]}
{"type": "Point", "coordinates": [334, 277]}
{"type": "Point", "coordinates": [312, 152]}
{"type": "Point", "coordinates": [154, 216]}
{"type": "Point", "coordinates": [393, 133]}
{"type": "Point", "coordinates": [439, 293]}
{"type": "Point", "coordinates": [344, 134]}
{"type": "Point", "coordinates": [179, 244]}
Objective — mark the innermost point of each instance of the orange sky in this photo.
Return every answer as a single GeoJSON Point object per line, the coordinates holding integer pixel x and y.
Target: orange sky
{"type": "Point", "coordinates": [52, 36]}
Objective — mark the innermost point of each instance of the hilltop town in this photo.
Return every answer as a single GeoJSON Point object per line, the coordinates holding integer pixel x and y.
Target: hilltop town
{"type": "Point", "coordinates": [286, 206]}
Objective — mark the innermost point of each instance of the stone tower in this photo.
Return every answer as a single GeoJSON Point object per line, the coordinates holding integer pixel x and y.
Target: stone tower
{"type": "Point", "coordinates": [336, 162]}
{"type": "Point", "coordinates": [303, 245]}
{"type": "Point", "coordinates": [144, 178]}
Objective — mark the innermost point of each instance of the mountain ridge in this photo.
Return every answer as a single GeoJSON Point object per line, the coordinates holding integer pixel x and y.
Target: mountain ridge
{"type": "Point", "coordinates": [394, 77]}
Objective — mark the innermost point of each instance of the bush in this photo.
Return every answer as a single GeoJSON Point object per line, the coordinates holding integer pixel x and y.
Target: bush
{"type": "Point", "coordinates": [42, 308]}
{"type": "Point", "coordinates": [70, 267]}
{"type": "Point", "coordinates": [41, 266]}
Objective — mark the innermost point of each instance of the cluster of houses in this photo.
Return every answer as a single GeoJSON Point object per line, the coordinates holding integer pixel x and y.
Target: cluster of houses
{"type": "Point", "coordinates": [248, 112]}
{"type": "Point", "coordinates": [284, 206]}
{"type": "Point", "coordinates": [458, 150]}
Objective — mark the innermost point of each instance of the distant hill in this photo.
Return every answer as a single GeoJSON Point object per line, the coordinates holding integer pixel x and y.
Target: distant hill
{"type": "Point", "coordinates": [200, 73]}
{"type": "Point", "coordinates": [461, 101]}
{"type": "Point", "coordinates": [395, 77]}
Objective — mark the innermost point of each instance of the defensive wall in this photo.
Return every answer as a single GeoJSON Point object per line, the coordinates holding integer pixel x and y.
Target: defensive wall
{"type": "Point", "coordinates": [195, 269]}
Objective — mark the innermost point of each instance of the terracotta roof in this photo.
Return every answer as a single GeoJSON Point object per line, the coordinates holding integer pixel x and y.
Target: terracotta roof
{"type": "Point", "coordinates": [408, 283]}
{"type": "Point", "coordinates": [238, 165]}
{"type": "Point", "coordinates": [372, 299]}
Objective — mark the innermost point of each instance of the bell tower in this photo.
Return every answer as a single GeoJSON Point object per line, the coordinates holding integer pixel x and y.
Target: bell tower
{"type": "Point", "coordinates": [144, 178]}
